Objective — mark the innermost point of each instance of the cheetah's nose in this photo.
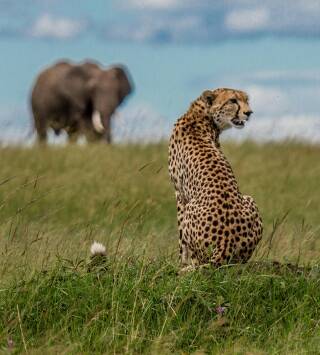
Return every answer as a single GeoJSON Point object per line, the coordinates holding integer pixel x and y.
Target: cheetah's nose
{"type": "Point", "coordinates": [248, 113]}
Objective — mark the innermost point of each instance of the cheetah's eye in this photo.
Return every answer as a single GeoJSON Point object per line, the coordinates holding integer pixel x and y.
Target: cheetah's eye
{"type": "Point", "coordinates": [233, 101]}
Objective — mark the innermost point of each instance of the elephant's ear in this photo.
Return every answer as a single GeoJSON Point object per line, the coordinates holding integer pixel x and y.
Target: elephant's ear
{"type": "Point", "coordinates": [121, 74]}
{"type": "Point", "coordinates": [91, 86]}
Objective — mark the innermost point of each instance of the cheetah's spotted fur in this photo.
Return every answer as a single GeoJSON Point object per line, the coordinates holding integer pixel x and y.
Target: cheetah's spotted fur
{"type": "Point", "coordinates": [216, 223]}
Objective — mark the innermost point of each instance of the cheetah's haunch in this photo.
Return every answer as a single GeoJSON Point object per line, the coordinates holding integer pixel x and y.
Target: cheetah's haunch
{"type": "Point", "coordinates": [216, 223]}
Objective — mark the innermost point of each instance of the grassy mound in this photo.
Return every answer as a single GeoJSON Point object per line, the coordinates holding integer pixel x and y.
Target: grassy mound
{"type": "Point", "coordinates": [143, 306]}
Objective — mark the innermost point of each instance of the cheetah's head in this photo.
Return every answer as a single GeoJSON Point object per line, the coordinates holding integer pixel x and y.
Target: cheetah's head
{"type": "Point", "coordinates": [227, 107]}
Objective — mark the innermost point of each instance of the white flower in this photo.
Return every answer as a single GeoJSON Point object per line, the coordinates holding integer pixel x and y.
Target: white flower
{"type": "Point", "coordinates": [97, 249]}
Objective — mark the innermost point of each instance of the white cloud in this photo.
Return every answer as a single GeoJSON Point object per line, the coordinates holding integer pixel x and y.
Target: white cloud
{"type": "Point", "coordinates": [268, 100]}
{"type": "Point", "coordinates": [224, 19]}
{"type": "Point", "coordinates": [246, 20]}
{"type": "Point", "coordinates": [56, 27]}
{"type": "Point", "coordinates": [159, 29]}
{"type": "Point", "coordinates": [261, 129]}
{"type": "Point", "coordinates": [153, 4]}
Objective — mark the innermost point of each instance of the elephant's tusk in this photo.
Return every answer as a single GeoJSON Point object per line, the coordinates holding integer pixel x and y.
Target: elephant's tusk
{"type": "Point", "coordinates": [97, 122]}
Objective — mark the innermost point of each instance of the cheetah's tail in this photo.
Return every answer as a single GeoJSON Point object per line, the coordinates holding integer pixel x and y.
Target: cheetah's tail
{"type": "Point", "coordinates": [97, 249]}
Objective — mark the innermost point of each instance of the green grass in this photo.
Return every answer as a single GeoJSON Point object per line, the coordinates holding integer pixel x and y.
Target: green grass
{"type": "Point", "coordinates": [54, 202]}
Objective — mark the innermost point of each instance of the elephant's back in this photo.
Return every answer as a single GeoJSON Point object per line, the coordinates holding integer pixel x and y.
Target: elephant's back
{"type": "Point", "coordinates": [51, 76]}
{"type": "Point", "coordinates": [47, 84]}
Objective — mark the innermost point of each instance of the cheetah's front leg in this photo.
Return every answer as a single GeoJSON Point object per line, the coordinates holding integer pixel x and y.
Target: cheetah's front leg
{"type": "Point", "coordinates": [184, 253]}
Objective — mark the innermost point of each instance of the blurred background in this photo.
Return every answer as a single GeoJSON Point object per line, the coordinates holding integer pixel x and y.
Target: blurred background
{"type": "Point", "coordinates": [174, 50]}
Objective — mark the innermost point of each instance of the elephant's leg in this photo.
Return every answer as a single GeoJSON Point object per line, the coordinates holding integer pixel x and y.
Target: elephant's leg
{"type": "Point", "coordinates": [72, 130]}
{"type": "Point", "coordinates": [41, 128]}
{"type": "Point", "coordinates": [92, 136]}
{"type": "Point", "coordinates": [108, 134]}
{"type": "Point", "coordinates": [73, 137]}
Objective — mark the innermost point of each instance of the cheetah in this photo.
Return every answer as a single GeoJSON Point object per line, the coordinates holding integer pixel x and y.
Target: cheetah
{"type": "Point", "coordinates": [216, 223]}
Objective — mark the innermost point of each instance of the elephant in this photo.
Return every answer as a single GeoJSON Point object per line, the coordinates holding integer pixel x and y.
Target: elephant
{"type": "Point", "coordinates": [79, 99]}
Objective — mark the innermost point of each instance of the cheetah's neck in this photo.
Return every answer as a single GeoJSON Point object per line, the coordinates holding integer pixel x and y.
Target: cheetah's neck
{"type": "Point", "coordinates": [201, 123]}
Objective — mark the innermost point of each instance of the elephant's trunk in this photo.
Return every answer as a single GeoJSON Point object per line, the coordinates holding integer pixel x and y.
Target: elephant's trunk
{"type": "Point", "coordinates": [97, 122]}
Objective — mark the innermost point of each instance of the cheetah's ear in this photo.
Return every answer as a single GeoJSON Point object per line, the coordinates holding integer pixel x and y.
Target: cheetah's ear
{"type": "Point", "coordinates": [208, 97]}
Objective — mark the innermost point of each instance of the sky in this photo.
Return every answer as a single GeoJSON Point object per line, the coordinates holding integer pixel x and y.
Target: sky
{"type": "Point", "coordinates": [174, 50]}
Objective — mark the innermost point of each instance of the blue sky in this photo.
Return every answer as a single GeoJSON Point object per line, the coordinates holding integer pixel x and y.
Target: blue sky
{"type": "Point", "coordinates": [174, 50]}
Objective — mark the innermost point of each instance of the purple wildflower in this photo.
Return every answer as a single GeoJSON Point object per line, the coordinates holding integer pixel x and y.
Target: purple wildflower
{"type": "Point", "coordinates": [10, 343]}
{"type": "Point", "coordinates": [220, 310]}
